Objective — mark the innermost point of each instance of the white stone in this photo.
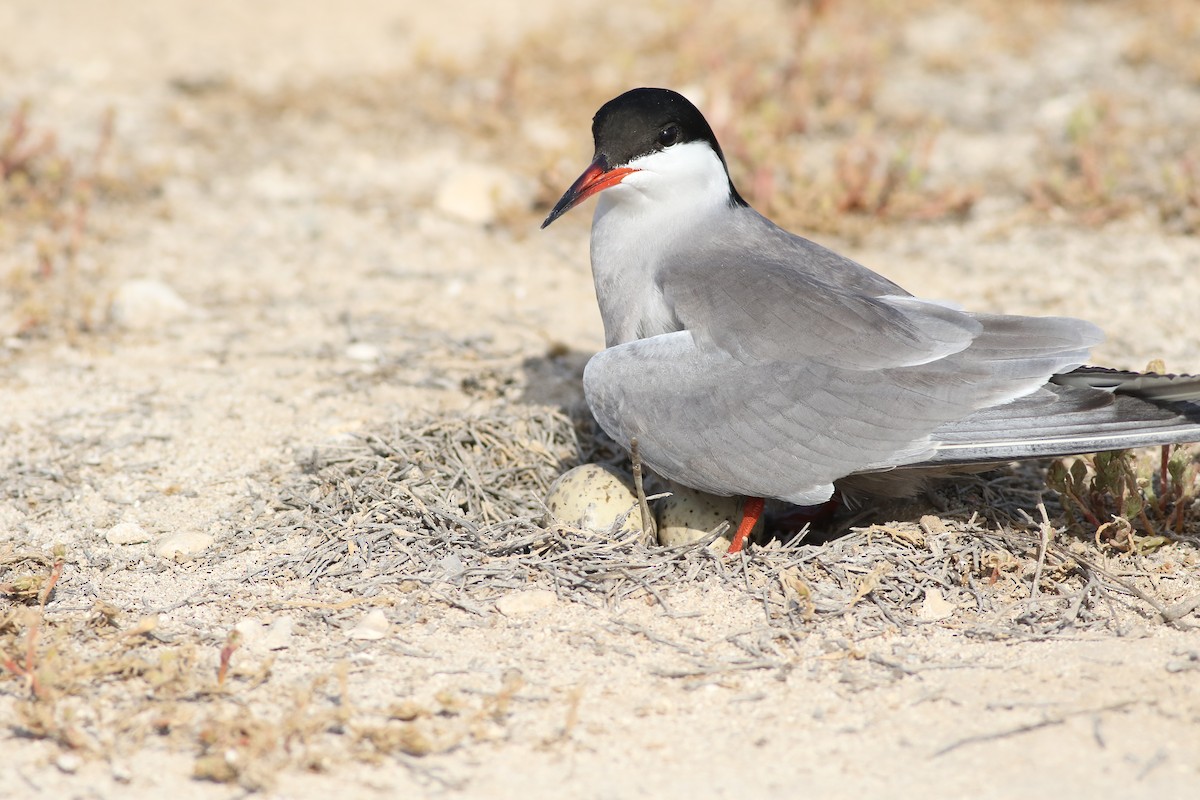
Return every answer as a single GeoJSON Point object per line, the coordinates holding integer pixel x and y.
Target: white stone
{"type": "Point", "coordinates": [121, 771]}
{"type": "Point", "coordinates": [477, 193]}
{"type": "Point", "coordinates": [362, 351]}
{"type": "Point", "coordinates": [145, 304]}
{"type": "Point", "coordinates": [373, 625]}
{"type": "Point", "coordinates": [68, 763]}
{"type": "Point", "coordinates": [279, 636]}
{"type": "Point", "coordinates": [526, 602]}
{"type": "Point", "coordinates": [251, 631]}
{"type": "Point", "coordinates": [183, 545]}
{"type": "Point", "coordinates": [126, 533]}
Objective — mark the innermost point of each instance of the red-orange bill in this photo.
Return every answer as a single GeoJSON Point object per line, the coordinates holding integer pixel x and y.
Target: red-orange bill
{"type": "Point", "coordinates": [596, 178]}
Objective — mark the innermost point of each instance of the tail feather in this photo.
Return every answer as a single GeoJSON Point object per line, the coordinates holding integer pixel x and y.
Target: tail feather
{"type": "Point", "coordinates": [1085, 411]}
{"type": "Point", "coordinates": [1146, 385]}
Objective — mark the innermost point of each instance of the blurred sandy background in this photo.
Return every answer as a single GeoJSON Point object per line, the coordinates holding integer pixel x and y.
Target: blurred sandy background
{"type": "Point", "coordinates": [232, 232]}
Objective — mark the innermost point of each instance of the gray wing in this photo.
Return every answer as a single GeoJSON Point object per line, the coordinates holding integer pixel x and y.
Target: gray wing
{"type": "Point", "coordinates": [769, 312]}
{"type": "Point", "coordinates": [726, 427]}
{"type": "Point", "coordinates": [792, 373]}
{"type": "Point", "coordinates": [788, 429]}
{"type": "Point", "coordinates": [796, 301]}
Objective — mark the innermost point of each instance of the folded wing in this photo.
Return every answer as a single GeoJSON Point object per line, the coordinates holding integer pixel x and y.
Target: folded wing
{"type": "Point", "coordinates": [782, 383]}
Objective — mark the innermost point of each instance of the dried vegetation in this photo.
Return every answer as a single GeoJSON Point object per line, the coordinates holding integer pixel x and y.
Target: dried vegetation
{"type": "Point", "coordinates": [446, 513]}
{"type": "Point", "coordinates": [46, 197]}
{"type": "Point", "coordinates": [383, 513]}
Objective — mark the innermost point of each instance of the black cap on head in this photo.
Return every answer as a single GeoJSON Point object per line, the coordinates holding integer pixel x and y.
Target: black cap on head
{"type": "Point", "coordinates": [639, 122]}
{"type": "Point", "coordinates": [643, 121]}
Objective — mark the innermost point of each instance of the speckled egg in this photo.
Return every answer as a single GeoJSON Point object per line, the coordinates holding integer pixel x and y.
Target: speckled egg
{"type": "Point", "coordinates": [688, 515]}
{"type": "Point", "coordinates": [595, 496]}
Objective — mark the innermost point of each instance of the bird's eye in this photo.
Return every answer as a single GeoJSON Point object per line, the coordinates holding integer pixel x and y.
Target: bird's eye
{"type": "Point", "coordinates": [668, 135]}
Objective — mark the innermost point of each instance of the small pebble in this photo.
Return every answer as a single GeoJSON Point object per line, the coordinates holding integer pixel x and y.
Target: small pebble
{"type": "Point", "coordinates": [477, 193]}
{"type": "Point", "coordinates": [373, 625]}
{"type": "Point", "coordinates": [121, 772]}
{"type": "Point", "coordinates": [145, 304]}
{"type": "Point", "coordinates": [279, 636]}
{"type": "Point", "coordinates": [933, 525]}
{"type": "Point", "coordinates": [1189, 663]}
{"type": "Point", "coordinates": [127, 533]}
{"type": "Point", "coordinates": [362, 351]}
{"type": "Point", "coordinates": [526, 602]}
{"type": "Point", "coordinates": [251, 631]}
{"type": "Point", "coordinates": [68, 763]}
{"type": "Point", "coordinates": [259, 637]}
{"type": "Point", "coordinates": [183, 545]}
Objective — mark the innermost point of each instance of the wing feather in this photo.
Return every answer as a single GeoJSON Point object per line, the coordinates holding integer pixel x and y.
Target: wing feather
{"type": "Point", "coordinates": [781, 384]}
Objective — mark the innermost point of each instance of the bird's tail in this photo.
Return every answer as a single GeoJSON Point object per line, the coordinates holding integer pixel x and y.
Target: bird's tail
{"type": "Point", "coordinates": [1087, 410]}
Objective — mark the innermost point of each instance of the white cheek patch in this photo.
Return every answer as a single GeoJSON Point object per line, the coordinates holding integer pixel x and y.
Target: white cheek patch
{"type": "Point", "coordinates": [680, 182]}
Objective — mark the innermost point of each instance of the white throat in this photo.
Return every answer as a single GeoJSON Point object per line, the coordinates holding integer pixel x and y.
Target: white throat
{"type": "Point", "coordinates": [676, 195]}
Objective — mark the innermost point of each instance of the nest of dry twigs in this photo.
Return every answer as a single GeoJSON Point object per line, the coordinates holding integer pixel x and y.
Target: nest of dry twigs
{"type": "Point", "coordinates": [452, 505]}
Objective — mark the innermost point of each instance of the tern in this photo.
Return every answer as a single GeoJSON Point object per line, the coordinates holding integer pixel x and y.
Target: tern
{"type": "Point", "coordinates": [746, 360]}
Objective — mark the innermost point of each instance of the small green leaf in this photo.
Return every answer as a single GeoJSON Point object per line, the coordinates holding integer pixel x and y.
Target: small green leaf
{"type": "Point", "coordinates": [1133, 505]}
{"type": "Point", "coordinates": [1078, 475]}
{"type": "Point", "coordinates": [1056, 477]}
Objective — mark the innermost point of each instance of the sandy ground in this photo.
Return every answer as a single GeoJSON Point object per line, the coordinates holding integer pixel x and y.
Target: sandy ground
{"type": "Point", "coordinates": [307, 280]}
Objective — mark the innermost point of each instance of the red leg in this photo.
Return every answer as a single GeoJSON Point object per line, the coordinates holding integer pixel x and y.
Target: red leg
{"type": "Point", "coordinates": [750, 514]}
